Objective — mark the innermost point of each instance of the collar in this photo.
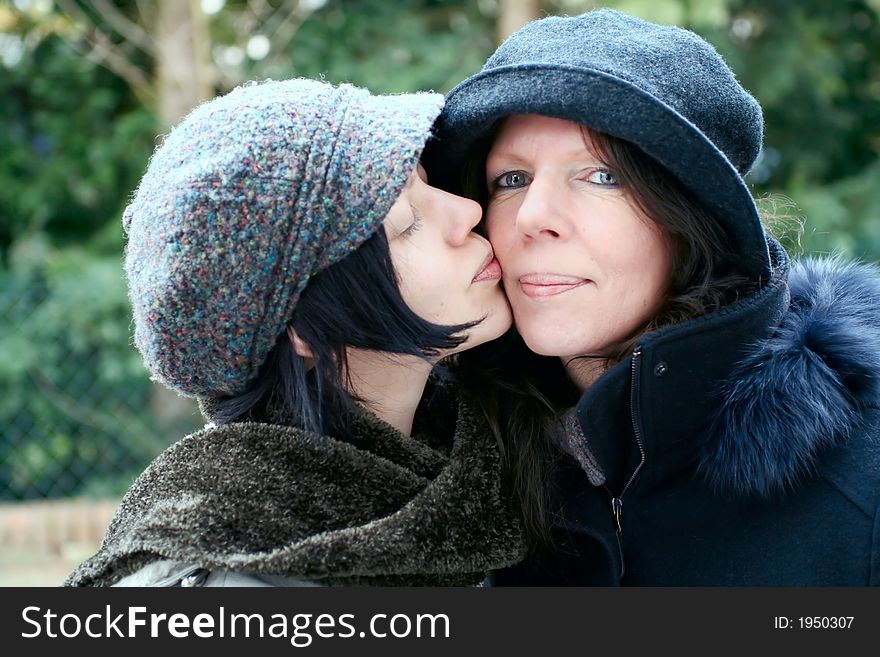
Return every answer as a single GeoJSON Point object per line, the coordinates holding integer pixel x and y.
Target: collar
{"type": "Point", "coordinates": [274, 500]}
{"type": "Point", "coordinates": [749, 395]}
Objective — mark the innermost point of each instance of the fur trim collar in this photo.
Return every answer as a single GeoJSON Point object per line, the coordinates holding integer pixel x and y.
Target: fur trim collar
{"type": "Point", "coordinates": [800, 391]}
{"type": "Point", "coordinates": [274, 500]}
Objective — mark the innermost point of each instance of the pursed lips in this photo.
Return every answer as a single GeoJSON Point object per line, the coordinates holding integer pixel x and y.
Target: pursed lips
{"type": "Point", "coordinates": [489, 270]}
{"type": "Point", "coordinates": [539, 285]}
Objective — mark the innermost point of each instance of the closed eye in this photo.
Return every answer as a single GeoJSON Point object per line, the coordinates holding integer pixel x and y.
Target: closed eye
{"type": "Point", "coordinates": [415, 225]}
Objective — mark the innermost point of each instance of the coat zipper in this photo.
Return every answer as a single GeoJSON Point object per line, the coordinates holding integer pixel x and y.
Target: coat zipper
{"type": "Point", "coordinates": [636, 418]}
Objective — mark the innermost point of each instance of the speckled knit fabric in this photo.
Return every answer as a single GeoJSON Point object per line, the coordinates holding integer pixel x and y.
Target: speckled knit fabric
{"type": "Point", "coordinates": [252, 194]}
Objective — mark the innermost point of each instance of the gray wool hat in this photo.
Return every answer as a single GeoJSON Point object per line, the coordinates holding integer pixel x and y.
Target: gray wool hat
{"type": "Point", "coordinates": [663, 88]}
{"type": "Point", "coordinates": [248, 197]}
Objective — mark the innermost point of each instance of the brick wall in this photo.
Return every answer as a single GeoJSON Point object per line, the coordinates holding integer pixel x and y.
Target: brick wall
{"type": "Point", "coordinates": [52, 525]}
{"type": "Point", "coordinates": [41, 542]}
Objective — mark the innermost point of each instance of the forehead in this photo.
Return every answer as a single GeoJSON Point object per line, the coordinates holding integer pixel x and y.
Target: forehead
{"type": "Point", "coordinates": [530, 134]}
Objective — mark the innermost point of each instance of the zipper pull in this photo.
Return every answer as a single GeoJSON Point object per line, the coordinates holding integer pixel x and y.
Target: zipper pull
{"type": "Point", "coordinates": [617, 510]}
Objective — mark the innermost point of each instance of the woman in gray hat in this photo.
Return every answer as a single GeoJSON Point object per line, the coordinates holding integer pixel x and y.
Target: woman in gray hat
{"type": "Point", "coordinates": [290, 266]}
{"type": "Point", "coordinates": [708, 410]}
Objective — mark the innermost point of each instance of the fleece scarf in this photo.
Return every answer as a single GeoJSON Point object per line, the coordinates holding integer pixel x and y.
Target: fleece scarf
{"type": "Point", "coordinates": [275, 500]}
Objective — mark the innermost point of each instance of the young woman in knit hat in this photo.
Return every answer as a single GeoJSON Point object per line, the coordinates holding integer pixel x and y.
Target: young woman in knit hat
{"type": "Point", "coordinates": [708, 409]}
{"type": "Point", "coordinates": [290, 266]}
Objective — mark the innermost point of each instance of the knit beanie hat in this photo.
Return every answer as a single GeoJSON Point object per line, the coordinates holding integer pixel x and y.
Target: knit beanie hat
{"type": "Point", "coordinates": [248, 197]}
{"type": "Point", "coordinates": [663, 88]}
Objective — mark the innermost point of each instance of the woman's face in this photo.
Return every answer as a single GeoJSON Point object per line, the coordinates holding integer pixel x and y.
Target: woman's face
{"type": "Point", "coordinates": [447, 273]}
{"type": "Point", "coordinates": [583, 267]}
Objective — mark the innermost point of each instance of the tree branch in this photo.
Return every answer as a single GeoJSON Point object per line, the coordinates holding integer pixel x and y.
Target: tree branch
{"type": "Point", "coordinates": [125, 27]}
{"type": "Point", "coordinates": [147, 12]}
{"type": "Point", "coordinates": [109, 56]}
{"type": "Point", "coordinates": [105, 53]}
{"type": "Point", "coordinates": [73, 12]}
{"type": "Point", "coordinates": [283, 34]}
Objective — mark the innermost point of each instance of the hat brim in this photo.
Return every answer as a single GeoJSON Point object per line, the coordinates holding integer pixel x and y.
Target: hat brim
{"type": "Point", "coordinates": [615, 107]}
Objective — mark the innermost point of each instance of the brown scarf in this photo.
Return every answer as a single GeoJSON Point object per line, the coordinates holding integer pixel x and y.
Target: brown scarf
{"type": "Point", "coordinates": [275, 500]}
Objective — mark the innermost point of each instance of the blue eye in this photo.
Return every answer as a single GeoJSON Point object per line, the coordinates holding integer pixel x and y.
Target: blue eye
{"type": "Point", "coordinates": [511, 180]}
{"type": "Point", "coordinates": [603, 177]}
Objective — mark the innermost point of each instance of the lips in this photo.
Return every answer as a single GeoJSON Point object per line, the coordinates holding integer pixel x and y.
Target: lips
{"type": "Point", "coordinates": [490, 270]}
{"type": "Point", "coordinates": [541, 285]}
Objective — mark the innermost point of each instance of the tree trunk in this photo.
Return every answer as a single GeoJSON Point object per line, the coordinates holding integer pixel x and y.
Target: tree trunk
{"type": "Point", "coordinates": [184, 72]}
{"type": "Point", "coordinates": [513, 14]}
{"type": "Point", "coordinates": [185, 78]}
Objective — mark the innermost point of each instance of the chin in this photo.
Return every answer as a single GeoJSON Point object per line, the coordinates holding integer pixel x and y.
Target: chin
{"type": "Point", "coordinates": [496, 323]}
{"type": "Point", "coordinates": [541, 349]}
{"type": "Point", "coordinates": [549, 344]}
{"type": "Point", "coordinates": [492, 328]}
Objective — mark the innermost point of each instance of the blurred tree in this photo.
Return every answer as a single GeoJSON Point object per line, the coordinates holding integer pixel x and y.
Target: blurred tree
{"type": "Point", "coordinates": [815, 67]}
{"type": "Point", "coordinates": [513, 14]}
{"type": "Point", "coordinates": [82, 84]}
{"type": "Point", "coordinates": [82, 90]}
{"type": "Point", "coordinates": [164, 49]}
{"type": "Point", "coordinates": [392, 47]}
{"type": "Point", "coordinates": [73, 142]}
{"type": "Point", "coordinates": [73, 392]}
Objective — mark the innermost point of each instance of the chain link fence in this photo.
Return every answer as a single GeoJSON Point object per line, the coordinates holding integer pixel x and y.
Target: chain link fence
{"type": "Point", "coordinates": [79, 416]}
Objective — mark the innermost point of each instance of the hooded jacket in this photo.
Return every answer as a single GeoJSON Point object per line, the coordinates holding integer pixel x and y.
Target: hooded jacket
{"type": "Point", "coordinates": [264, 503]}
{"type": "Point", "coordinates": [741, 448]}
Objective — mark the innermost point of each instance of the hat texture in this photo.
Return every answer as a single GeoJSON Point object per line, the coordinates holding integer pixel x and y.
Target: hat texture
{"type": "Point", "coordinates": [660, 87]}
{"type": "Point", "coordinates": [248, 197]}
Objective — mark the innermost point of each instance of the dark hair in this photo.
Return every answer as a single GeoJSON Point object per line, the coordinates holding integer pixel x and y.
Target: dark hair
{"type": "Point", "coordinates": [353, 303]}
{"type": "Point", "coordinates": [522, 394]}
{"type": "Point", "coordinates": [534, 391]}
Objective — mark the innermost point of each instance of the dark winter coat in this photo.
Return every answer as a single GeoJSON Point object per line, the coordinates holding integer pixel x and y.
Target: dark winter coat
{"type": "Point", "coordinates": [266, 503]}
{"type": "Point", "coordinates": [742, 448]}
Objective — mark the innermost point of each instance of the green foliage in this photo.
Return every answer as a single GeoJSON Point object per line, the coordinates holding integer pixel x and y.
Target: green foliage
{"type": "Point", "coordinates": [385, 46]}
{"type": "Point", "coordinates": [73, 393]}
{"type": "Point", "coordinates": [814, 67]}
{"type": "Point", "coordinates": [844, 217]}
{"type": "Point", "coordinates": [74, 140]}
{"type": "Point", "coordinates": [73, 144]}
{"type": "Point", "coordinates": [74, 398]}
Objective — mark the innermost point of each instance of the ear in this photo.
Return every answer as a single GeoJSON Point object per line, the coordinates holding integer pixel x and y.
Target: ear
{"type": "Point", "coordinates": [299, 345]}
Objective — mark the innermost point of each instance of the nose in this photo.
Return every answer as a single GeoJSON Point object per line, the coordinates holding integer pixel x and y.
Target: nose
{"type": "Point", "coordinates": [538, 215]}
{"type": "Point", "coordinates": [465, 215]}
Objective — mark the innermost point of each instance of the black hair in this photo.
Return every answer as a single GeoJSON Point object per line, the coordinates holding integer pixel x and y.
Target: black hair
{"type": "Point", "coordinates": [355, 302]}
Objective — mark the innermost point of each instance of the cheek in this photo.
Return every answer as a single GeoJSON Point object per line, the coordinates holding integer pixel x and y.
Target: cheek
{"type": "Point", "coordinates": [500, 234]}
{"type": "Point", "coordinates": [411, 278]}
{"type": "Point", "coordinates": [659, 252]}
{"type": "Point", "coordinates": [651, 266]}
{"type": "Point", "coordinates": [428, 287]}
